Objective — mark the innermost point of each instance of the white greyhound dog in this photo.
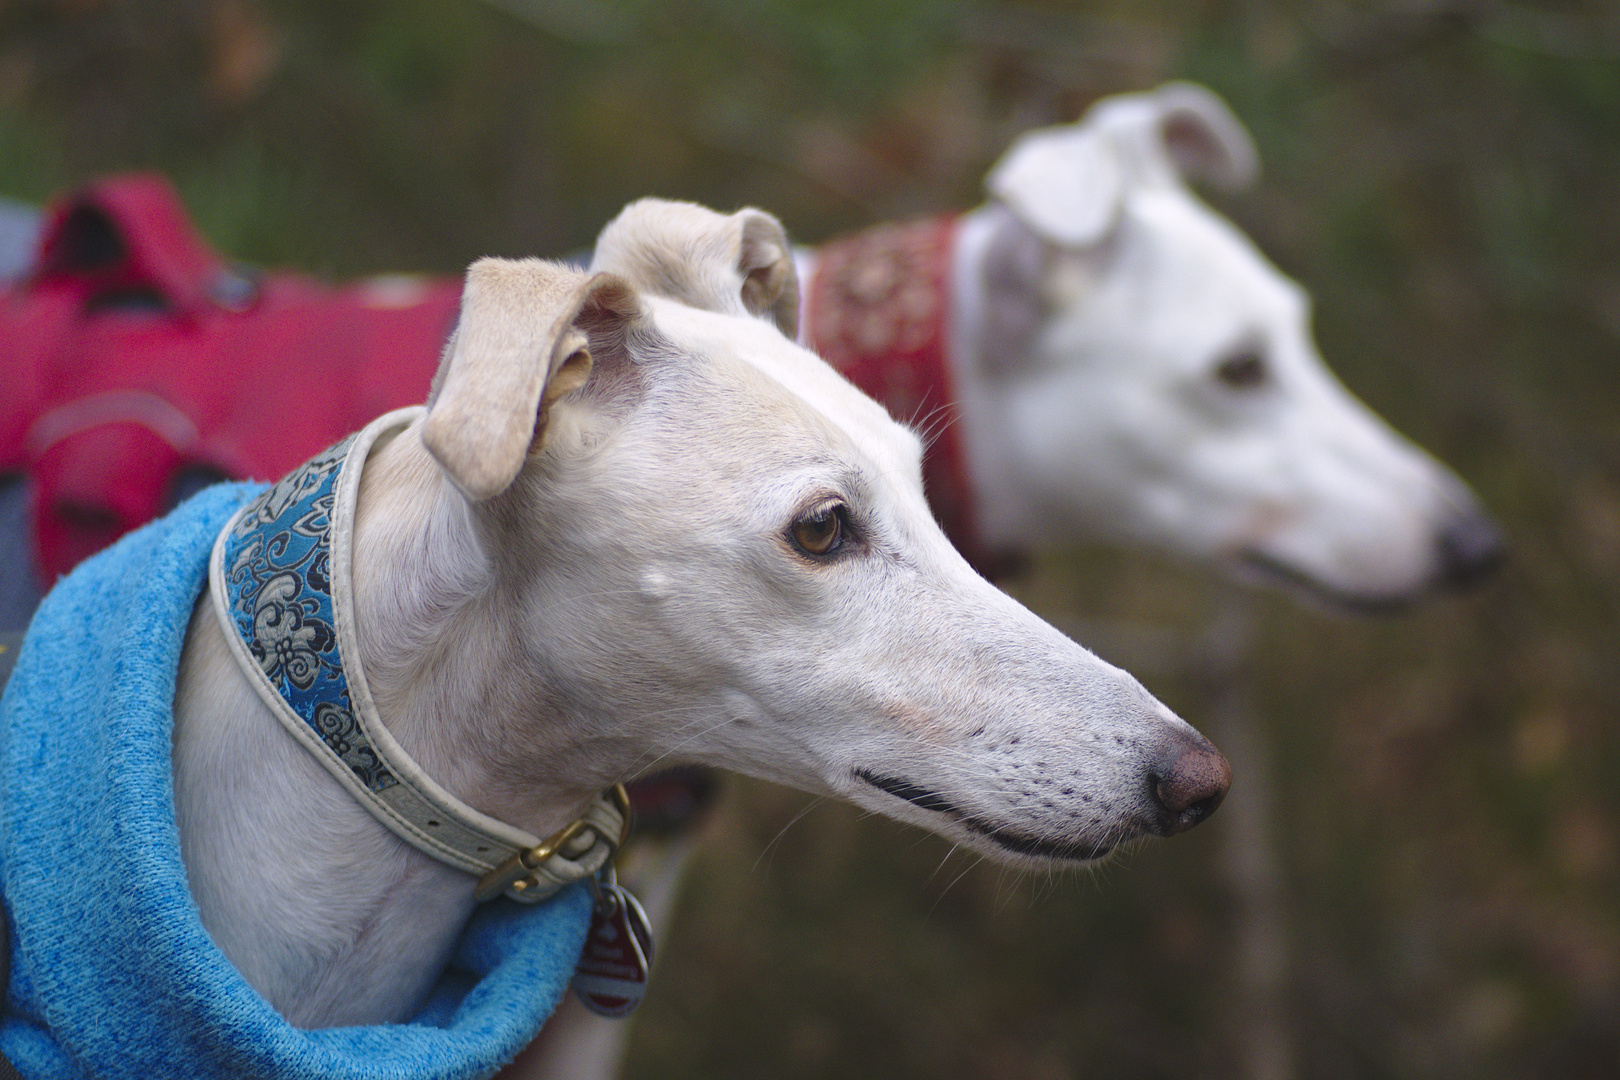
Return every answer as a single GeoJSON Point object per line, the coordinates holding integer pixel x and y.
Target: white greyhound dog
{"type": "Point", "coordinates": [627, 530]}
{"type": "Point", "coordinates": [1127, 366]}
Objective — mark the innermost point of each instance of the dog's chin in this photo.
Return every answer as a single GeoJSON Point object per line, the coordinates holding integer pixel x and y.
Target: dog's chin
{"type": "Point", "coordinates": [1003, 842]}
{"type": "Point", "coordinates": [1258, 568]}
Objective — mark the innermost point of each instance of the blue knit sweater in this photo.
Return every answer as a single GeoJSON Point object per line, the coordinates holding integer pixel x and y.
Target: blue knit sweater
{"type": "Point", "coordinates": [112, 972]}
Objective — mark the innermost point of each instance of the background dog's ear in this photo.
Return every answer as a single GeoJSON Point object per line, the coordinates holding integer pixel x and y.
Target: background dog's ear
{"type": "Point", "coordinates": [740, 264]}
{"type": "Point", "coordinates": [1203, 137]}
{"type": "Point", "coordinates": [1064, 183]}
{"type": "Point", "coordinates": [515, 351]}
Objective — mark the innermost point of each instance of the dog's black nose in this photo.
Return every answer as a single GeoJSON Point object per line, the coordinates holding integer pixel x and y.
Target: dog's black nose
{"type": "Point", "coordinates": [1189, 784]}
{"type": "Point", "coordinates": [1470, 548]}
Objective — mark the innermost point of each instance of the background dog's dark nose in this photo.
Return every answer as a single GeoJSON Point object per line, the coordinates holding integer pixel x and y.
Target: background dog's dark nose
{"type": "Point", "coordinates": [1189, 784]}
{"type": "Point", "coordinates": [1470, 548]}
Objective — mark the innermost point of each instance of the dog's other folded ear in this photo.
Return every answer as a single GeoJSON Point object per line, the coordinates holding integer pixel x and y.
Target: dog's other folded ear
{"type": "Point", "coordinates": [1067, 183]}
{"type": "Point", "coordinates": [739, 264]}
{"type": "Point", "coordinates": [517, 348]}
{"type": "Point", "coordinates": [1203, 137]}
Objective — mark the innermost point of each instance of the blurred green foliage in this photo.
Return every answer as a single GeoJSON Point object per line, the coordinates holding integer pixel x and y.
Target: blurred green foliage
{"type": "Point", "coordinates": [1441, 174]}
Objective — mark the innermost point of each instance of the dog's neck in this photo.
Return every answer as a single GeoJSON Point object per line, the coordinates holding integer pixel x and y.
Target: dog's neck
{"type": "Point", "coordinates": [444, 654]}
{"type": "Point", "coordinates": [992, 324]}
{"type": "Point", "coordinates": [327, 913]}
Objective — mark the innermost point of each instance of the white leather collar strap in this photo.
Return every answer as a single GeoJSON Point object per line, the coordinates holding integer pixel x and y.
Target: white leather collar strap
{"type": "Point", "coordinates": [282, 590]}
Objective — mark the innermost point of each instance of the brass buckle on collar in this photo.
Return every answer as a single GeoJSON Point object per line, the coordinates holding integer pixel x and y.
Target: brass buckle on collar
{"type": "Point", "coordinates": [517, 871]}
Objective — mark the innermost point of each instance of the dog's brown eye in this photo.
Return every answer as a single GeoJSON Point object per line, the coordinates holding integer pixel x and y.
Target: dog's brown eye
{"type": "Point", "coordinates": [1243, 371]}
{"type": "Point", "coordinates": [821, 531]}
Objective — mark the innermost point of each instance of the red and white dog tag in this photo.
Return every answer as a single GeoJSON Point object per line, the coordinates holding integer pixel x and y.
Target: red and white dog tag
{"type": "Point", "coordinates": [611, 976]}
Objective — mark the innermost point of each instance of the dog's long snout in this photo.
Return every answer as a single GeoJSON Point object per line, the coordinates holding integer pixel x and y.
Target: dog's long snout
{"type": "Point", "coordinates": [1189, 783]}
{"type": "Point", "coordinates": [1470, 546]}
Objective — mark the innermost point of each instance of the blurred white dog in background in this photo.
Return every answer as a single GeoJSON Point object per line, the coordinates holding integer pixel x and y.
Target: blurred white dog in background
{"type": "Point", "coordinates": [1125, 365]}
{"type": "Point", "coordinates": [1122, 364]}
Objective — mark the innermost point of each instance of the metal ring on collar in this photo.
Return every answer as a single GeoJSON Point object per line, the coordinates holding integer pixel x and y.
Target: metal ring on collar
{"type": "Point", "coordinates": [522, 872]}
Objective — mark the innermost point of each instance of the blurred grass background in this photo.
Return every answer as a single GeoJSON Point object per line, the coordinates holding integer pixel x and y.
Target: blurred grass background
{"type": "Point", "coordinates": [1442, 789]}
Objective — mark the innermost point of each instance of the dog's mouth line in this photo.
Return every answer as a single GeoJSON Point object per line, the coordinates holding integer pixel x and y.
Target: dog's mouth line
{"type": "Point", "coordinates": [1017, 842]}
{"type": "Point", "coordinates": [1340, 600]}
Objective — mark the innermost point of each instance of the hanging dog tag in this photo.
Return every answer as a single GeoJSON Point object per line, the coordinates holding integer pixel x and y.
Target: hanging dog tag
{"type": "Point", "coordinates": [611, 976]}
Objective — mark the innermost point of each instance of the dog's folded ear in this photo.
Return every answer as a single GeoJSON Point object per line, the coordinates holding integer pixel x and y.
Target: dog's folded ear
{"type": "Point", "coordinates": [519, 346]}
{"type": "Point", "coordinates": [1066, 183]}
{"type": "Point", "coordinates": [739, 264]}
{"type": "Point", "coordinates": [770, 278]}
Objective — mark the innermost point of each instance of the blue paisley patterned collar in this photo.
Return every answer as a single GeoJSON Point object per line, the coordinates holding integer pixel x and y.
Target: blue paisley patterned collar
{"type": "Point", "coordinates": [281, 587]}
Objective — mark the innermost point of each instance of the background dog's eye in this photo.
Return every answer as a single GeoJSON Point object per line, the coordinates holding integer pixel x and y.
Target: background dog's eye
{"type": "Point", "coordinates": [1244, 370]}
{"type": "Point", "coordinates": [821, 531]}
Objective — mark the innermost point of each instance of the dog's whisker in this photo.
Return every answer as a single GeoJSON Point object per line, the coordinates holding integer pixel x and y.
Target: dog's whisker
{"type": "Point", "coordinates": [638, 770]}
{"type": "Point", "coordinates": [938, 899]}
{"type": "Point", "coordinates": [811, 805]}
{"type": "Point", "coordinates": [1007, 884]}
{"type": "Point", "coordinates": [930, 425]}
{"type": "Point", "coordinates": [647, 762]}
{"type": "Point", "coordinates": [935, 872]}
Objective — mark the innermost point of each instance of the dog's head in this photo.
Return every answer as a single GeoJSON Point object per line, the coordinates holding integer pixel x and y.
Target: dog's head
{"type": "Point", "coordinates": [688, 539]}
{"type": "Point", "coordinates": [1159, 380]}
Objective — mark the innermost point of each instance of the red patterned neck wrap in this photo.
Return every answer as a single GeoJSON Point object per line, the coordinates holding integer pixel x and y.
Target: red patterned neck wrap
{"type": "Point", "coordinates": [878, 311]}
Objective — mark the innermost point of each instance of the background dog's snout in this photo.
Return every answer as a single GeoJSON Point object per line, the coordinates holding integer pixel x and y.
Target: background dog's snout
{"type": "Point", "coordinates": [1189, 784]}
{"type": "Point", "coordinates": [1471, 546]}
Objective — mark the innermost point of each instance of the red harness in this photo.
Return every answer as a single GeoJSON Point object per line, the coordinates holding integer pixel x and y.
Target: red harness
{"type": "Point", "coordinates": [135, 352]}
{"type": "Point", "coordinates": [877, 309]}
